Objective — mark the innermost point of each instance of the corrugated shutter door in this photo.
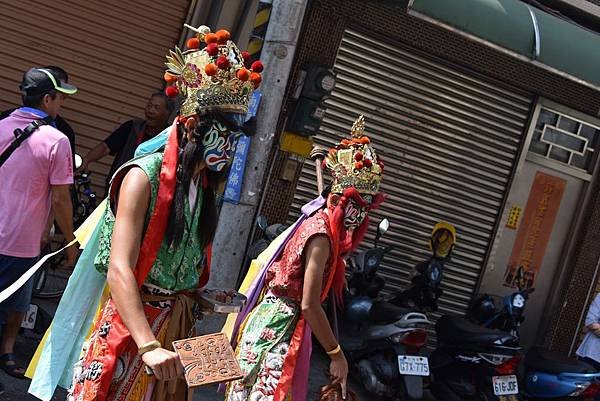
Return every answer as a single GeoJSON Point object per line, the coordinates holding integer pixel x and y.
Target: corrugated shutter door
{"type": "Point", "coordinates": [113, 50]}
{"type": "Point", "coordinates": [448, 139]}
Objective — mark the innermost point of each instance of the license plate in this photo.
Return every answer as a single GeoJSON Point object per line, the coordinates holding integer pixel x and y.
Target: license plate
{"type": "Point", "coordinates": [29, 319]}
{"type": "Point", "coordinates": [505, 385]}
{"type": "Point", "coordinates": [413, 365]}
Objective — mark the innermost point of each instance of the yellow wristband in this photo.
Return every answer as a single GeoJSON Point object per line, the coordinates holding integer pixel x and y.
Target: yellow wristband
{"type": "Point", "coordinates": [151, 346]}
{"type": "Point", "coordinates": [335, 351]}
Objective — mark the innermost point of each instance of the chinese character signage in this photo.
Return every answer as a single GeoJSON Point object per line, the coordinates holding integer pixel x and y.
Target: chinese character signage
{"type": "Point", "coordinates": [534, 232]}
{"type": "Point", "coordinates": [233, 190]}
{"type": "Point", "coordinates": [513, 217]}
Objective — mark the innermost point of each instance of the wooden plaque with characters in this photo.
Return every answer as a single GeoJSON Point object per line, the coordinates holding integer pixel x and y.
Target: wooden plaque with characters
{"type": "Point", "coordinates": [207, 359]}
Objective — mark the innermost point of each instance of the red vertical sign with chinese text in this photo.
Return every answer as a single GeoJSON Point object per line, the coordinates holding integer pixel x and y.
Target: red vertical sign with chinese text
{"type": "Point", "coordinates": [535, 230]}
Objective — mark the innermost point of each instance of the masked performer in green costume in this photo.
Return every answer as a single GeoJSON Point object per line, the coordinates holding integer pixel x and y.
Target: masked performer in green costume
{"type": "Point", "coordinates": [153, 242]}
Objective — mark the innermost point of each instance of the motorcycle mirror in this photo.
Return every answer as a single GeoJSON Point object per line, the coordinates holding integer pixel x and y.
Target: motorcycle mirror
{"type": "Point", "coordinates": [78, 161]}
{"type": "Point", "coordinates": [261, 222]}
{"type": "Point", "coordinates": [384, 225]}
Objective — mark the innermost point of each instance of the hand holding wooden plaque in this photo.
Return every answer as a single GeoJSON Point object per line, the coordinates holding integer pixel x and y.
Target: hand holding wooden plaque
{"type": "Point", "coordinates": [207, 359]}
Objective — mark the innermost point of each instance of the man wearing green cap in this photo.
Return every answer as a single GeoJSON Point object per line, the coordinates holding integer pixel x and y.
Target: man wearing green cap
{"type": "Point", "coordinates": [34, 178]}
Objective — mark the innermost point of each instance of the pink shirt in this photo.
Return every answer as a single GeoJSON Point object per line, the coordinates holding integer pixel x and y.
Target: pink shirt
{"type": "Point", "coordinates": [44, 159]}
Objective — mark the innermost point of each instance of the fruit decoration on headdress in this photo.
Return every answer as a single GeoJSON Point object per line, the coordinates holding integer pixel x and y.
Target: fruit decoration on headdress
{"type": "Point", "coordinates": [354, 163]}
{"type": "Point", "coordinates": [212, 74]}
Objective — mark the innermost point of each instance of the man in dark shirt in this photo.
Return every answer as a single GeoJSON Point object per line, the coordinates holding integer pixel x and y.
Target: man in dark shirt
{"type": "Point", "coordinates": [59, 122]}
{"type": "Point", "coordinates": [125, 139]}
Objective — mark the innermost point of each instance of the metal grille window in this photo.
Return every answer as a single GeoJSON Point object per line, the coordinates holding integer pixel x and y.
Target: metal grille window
{"type": "Point", "coordinates": [562, 138]}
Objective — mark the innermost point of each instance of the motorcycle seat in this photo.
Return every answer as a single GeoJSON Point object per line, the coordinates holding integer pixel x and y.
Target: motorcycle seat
{"type": "Point", "coordinates": [385, 312]}
{"type": "Point", "coordinates": [457, 330]}
{"type": "Point", "coordinates": [544, 360]}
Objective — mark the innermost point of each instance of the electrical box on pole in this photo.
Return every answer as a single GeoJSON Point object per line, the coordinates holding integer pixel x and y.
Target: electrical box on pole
{"type": "Point", "coordinates": [309, 107]}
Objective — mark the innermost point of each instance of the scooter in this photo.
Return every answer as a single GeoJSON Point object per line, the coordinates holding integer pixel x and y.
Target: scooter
{"type": "Point", "coordinates": [474, 363]}
{"type": "Point", "coordinates": [544, 374]}
{"type": "Point", "coordinates": [424, 291]}
{"type": "Point", "coordinates": [471, 362]}
{"type": "Point", "coordinates": [550, 375]}
{"type": "Point", "coordinates": [388, 354]}
{"type": "Point", "coordinates": [504, 313]}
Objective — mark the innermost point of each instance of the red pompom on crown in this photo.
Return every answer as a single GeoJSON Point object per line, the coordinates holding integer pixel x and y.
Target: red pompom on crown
{"type": "Point", "coordinates": [193, 43]}
{"type": "Point", "coordinates": [223, 63]}
{"type": "Point", "coordinates": [243, 74]}
{"type": "Point", "coordinates": [222, 36]}
{"type": "Point", "coordinates": [257, 66]}
{"type": "Point", "coordinates": [171, 91]}
{"type": "Point", "coordinates": [212, 49]}
{"type": "Point", "coordinates": [247, 59]}
{"type": "Point", "coordinates": [195, 73]}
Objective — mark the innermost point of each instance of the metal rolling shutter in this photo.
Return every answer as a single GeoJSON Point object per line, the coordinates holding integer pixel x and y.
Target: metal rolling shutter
{"type": "Point", "coordinates": [449, 140]}
{"type": "Point", "coordinates": [113, 51]}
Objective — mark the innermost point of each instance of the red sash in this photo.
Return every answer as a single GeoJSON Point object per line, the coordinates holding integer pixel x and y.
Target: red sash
{"type": "Point", "coordinates": [118, 338]}
{"type": "Point", "coordinates": [289, 365]}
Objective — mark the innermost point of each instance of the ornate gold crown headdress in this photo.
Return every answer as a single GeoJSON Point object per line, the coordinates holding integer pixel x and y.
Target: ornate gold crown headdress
{"type": "Point", "coordinates": [217, 77]}
{"type": "Point", "coordinates": [354, 163]}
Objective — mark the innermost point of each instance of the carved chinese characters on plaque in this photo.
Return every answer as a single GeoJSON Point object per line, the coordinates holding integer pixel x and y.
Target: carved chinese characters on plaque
{"type": "Point", "coordinates": [207, 359]}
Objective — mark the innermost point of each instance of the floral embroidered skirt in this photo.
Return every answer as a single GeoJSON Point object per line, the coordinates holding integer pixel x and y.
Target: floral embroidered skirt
{"type": "Point", "coordinates": [262, 347]}
{"type": "Point", "coordinates": [110, 368]}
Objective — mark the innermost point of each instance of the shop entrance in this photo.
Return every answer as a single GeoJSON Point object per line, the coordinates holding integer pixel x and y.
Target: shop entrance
{"type": "Point", "coordinates": [540, 215]}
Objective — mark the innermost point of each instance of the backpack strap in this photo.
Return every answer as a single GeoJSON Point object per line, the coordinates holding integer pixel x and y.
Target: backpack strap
{"type": "Point", "coordinates": [21, 135]}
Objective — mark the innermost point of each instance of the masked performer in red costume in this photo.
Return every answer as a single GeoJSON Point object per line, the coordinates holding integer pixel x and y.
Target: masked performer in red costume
{"type": "Point", "coordinates": [155, 235]}
{"type": "Point", "coordinates": [273, 337]}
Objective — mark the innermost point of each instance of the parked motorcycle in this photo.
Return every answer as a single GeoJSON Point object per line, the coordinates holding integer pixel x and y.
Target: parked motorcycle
{"type": "Point", "coordinates": [84, 197]}
{"type": "Point", "coordinates": [51, 281]}
{"type": "Point", "coordinates": [424, 291]}
{"type": "Point", "coordinates": [384, 340]}
{"type": "Point", "coordinates": [544, 374]}
{"type": "Point", "coordinates": [474, 363]}
{"type": "Point", "coordinates": [470, 362]}
{"type": "Point", "coordinates": [502, 313]}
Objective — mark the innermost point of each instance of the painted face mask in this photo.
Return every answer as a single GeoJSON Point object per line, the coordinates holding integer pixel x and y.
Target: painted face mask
{"type": "Point", "coordinates": [219, 145]}
{"type": "Point", "coordinates": [354, 214]}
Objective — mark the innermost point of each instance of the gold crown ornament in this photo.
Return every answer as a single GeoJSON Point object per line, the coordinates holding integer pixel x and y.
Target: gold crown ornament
{"type": "Point", "coordinates": [217, 77]}
{"type": "Point", "coordinates": [354, 163]}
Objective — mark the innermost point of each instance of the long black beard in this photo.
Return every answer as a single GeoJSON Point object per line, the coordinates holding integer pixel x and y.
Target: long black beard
{"type": "Point", "coordinates": [190, 156]}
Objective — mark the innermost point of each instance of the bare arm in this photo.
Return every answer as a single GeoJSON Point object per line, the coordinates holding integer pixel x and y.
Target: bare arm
{"type": "Point", "coordinates": [62, 208]}
{"type": "Point", "coordinates": [96, 153]}
{"type": "Point", "coordinates": [133, 204]}
{"type": "Point", "coordinates": [317, 255]}
{"type": "Point", "coordinates": [134, 199]}
{"type": "Point", "coordinates": [46, 234]}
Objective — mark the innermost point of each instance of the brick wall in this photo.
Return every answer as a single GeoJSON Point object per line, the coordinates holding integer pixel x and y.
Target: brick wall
{"type": "Point", "coordinates": [323, 29]}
